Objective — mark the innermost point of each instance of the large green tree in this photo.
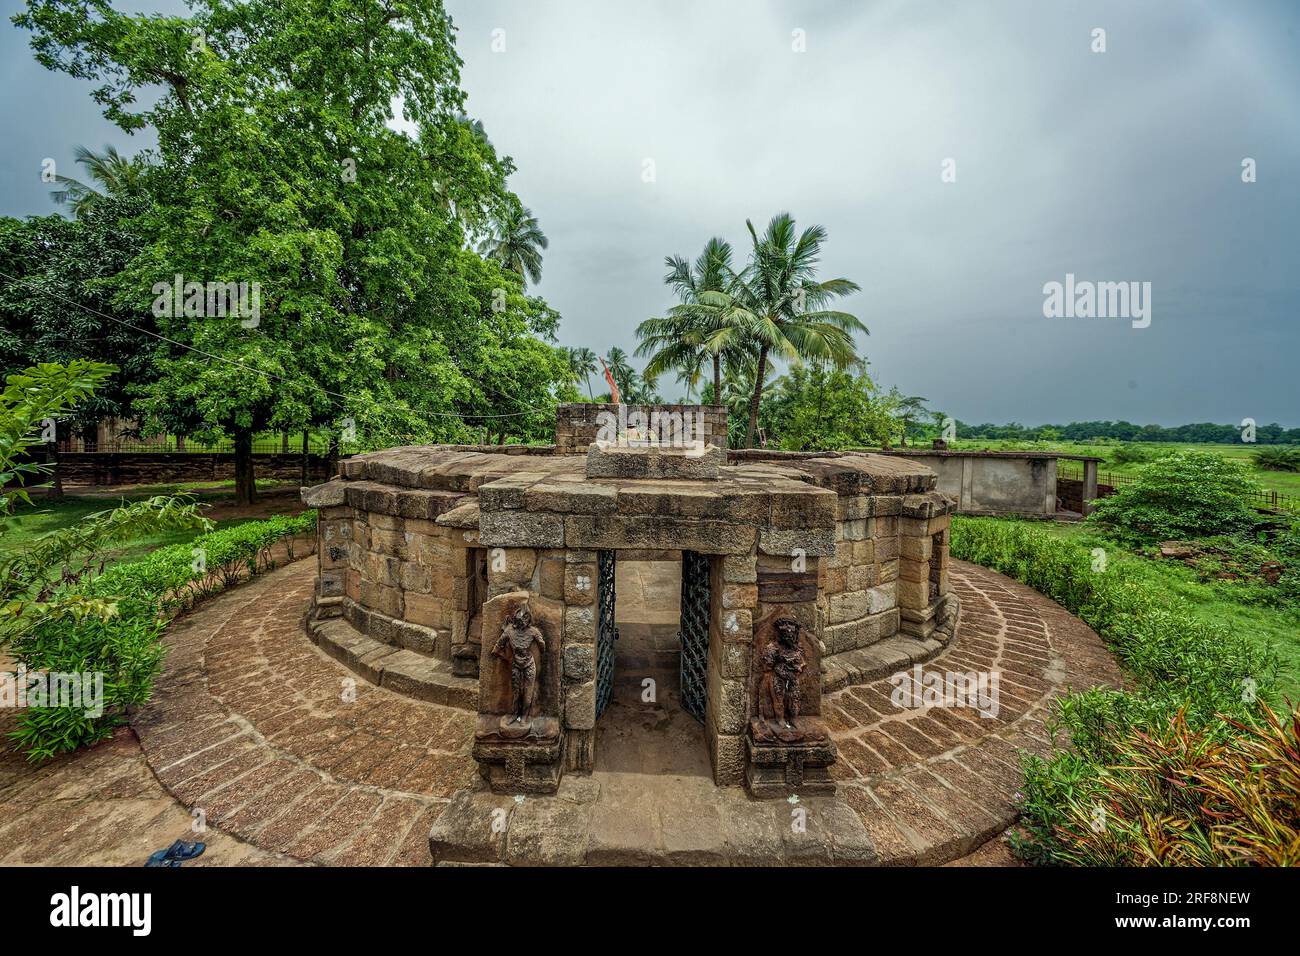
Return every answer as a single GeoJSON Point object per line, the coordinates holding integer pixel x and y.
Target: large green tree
{"type": "Point", "coordinates": [278, 164]}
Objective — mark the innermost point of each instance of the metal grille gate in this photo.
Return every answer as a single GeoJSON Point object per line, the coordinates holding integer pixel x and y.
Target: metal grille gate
{"type": "Point", "coordinates": [694, 633]}
{"type": "Point", "coordinates": [606, 632]}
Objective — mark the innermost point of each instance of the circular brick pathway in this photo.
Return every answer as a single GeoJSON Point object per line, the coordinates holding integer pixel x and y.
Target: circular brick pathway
{"type": "Point", "coordinates": [291, 758]}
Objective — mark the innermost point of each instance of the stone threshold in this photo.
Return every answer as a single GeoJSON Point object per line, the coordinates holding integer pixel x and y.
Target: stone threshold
{"type": "Point", "coordinates": [621, 819]}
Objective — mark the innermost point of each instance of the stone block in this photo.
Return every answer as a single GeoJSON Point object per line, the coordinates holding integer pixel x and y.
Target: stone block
{"type": "Point", "coordinates": [579, 584]}
{"type": "Point", "coordinates": [739, 569]}
{"type": "Point", "coordinates": [579, 625]}
{"type": "Point", "coordinates": [427, 610]}
{"type": "Point", "coordinates": [580, 705]}
{"type": "Point", "coordinates": [579, 662]}
{"type": "Point", "coordinates": [811, 542]}
{"type": "Point", "coordinates": [550, 578]}
{"type": "Point", "coordinates": [511, 567]}
{"type": "Point", "coordinates": [736, 596]}
{"type": "Point", "coordinates": [521, 529]}
{"type": "Point", "coordinates": [737, 626]}
{"type": "Point", "coordinates": [652, 462]}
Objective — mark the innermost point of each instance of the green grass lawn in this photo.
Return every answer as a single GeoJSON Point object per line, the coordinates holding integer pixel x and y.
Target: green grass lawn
{"type": "Point", "coordinates": [1277, 628]}
{"type": "Point", "coordinates": [44, 516]}
{"type": "Point", "coordinates": [1284, 482]}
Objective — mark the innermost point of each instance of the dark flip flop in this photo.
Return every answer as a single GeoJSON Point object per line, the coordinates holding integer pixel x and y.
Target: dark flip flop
{"type": "Point", "coordinates": [180, 851]}
{"type": "Point", "coordinates": [159, 858]}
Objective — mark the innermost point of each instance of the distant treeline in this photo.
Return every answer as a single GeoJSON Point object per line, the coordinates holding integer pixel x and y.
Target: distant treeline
{"type": "Point", "coordinates": [1206, 432]}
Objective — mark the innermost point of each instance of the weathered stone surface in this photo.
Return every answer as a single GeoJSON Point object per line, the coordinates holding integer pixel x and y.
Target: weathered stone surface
{"type": "Point", "coordinates": [677, 534]}
{"type": "Point", "coordinates": [521, 529]}
{"type": "Point", "coordinates": [464, 515]}
{"type": "Point", "coordinates": [653, 462]}
{"type": "Point", "coordinates": [330, 494]}
{"type": "Point", "coordinates": [812, 542]}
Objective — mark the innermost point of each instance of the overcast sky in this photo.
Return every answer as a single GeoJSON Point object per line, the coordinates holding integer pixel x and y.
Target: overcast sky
{"type": "Point", "coordinates": [1117, 166]}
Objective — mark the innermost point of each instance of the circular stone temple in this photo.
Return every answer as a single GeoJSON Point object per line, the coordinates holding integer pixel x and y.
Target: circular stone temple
{"type": "Point", "coordinates": [483, 577]}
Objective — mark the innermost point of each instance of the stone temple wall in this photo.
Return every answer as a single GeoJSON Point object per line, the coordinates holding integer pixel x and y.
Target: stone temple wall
{"type": "Point", "coordinates": [426, 552]}
{"type": "Point", "coordinates": [576, 424]}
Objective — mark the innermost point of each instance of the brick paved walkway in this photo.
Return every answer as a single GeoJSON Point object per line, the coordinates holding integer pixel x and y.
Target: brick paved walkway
{"type": "Point", "coordinates": [292, 759]}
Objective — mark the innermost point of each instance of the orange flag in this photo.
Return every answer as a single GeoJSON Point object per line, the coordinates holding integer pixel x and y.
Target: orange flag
{"type": "Point", "coordinates": [613, 386]}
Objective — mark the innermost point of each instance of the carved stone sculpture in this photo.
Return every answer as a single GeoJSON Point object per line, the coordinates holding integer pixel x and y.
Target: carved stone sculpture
{"type": "Point", "coordinates": [516, 646]}
{"type": "Point", "coordinates": [784, 661]}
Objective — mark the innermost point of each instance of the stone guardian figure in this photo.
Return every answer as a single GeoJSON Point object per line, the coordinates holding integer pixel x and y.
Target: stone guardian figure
{"type": "Point", "coordinates": [516, 646]}
{"type": "Point", "coordinates": [784, 660]}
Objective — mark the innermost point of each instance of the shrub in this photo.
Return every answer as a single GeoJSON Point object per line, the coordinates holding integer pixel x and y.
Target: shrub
{"type": "Point", "coordinates": [126, 644]}
{"type": "Point", "coordinates": [1180, 796]}
{"type": "Point", "coordinates": [1190, 674]}
{"type": "Point", "coordinates": [1129, 454]}
{"type": "Point", "coordinates": [1184, 495]}
{"type": "Point", "coordinates": [1278, 458]}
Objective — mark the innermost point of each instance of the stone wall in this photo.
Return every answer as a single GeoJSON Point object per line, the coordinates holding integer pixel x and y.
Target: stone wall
{"type": "Point", "coordinates": [858, 603]}
{"type": "Point", "coordinates": [992, 482]}
{"type": "Point", "coordinates": [577, 424]}
{"type": "Point", "coordinates": [852, 547]}
{"type": "Point", "coordinates": [131, 468]}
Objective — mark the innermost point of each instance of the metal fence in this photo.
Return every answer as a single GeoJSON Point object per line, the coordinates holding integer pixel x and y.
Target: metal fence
{"type": "Point", "coordinates": [1268, 500]}
{"type": "Point", "coordinates": [266, 445]}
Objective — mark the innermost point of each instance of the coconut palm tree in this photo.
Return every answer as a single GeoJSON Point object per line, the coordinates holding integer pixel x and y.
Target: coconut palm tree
{"type": "Point", "coordinates": [517, 245]}
{"type": "Point", "coordinates": [582, 363]}
{"type": "Point", "coordinates": [780, 305]}
{"type": "Point", "coordinates": [115, 175]}
{"type": "Point", "coordinates": [688, 336]}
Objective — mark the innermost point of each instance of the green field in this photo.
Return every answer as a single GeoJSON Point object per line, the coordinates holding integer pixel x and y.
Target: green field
{"type": "Point", "coordinates": [1283, 482]}
{"type": "Point", "coordinates": [44, 516]}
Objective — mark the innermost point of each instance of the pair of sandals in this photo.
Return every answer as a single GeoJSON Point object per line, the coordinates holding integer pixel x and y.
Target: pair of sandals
{"type": "Point", "coordinates": [176, 854]}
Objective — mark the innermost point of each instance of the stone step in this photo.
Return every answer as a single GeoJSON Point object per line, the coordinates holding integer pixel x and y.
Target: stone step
{"type": "Point", "coordinates": [610, 819]}
{"type": "Point", "coordinates": [402, 671]}
{"type": "Point", "coordinates": [878, 660]}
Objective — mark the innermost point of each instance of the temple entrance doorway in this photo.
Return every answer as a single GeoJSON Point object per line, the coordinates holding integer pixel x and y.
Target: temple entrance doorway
{"type": "Point", "coordinates": [651, 650]}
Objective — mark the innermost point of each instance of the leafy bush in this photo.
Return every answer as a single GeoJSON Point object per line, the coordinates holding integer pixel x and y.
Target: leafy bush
{"type": "Point", "coordinates": [1278, 458]}
{"type": "Point", "coordinates": [1129, 454]}
{"type": "Point", "coordinates": [180, 574]}
{"type": "Point", "coordinates": [1179, 796]}
{"type": "Point", "coordinates": [125, 644]}
{"type": "Point", "coordinates": [1184, 495]}
{"type": "Point", "coordinates": [1189, 673]}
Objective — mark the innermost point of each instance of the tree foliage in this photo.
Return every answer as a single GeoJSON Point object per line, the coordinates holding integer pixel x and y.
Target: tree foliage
{"type": "Point", "coordinates": [1185, 495]}
{"type": "Point", "coordinates": [278, 164]}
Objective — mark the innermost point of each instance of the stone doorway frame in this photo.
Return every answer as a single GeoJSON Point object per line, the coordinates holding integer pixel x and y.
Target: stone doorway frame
{"type": "Point", "coordinates": [712, 634]}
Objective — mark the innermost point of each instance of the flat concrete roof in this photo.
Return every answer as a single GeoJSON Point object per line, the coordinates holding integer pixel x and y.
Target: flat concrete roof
{"type": "Point", "coordinates": [975, 453]}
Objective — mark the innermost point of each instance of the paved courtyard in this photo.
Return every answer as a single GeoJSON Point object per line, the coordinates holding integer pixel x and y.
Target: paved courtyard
{"type": "Point", "coordinates": [289, 758]}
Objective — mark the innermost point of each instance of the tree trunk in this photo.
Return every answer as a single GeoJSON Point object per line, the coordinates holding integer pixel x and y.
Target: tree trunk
{"type": "Point", "coordinates": [284, 444]}
{"type": "Point", "coordinates": [757, 397]}
{"type": "Point", "coordinates": [717, 379]}
{"type": "Point", "coordinates": [245, 487]}
{"type": "Point", "coordinates": [306, 451]}
{"type": "Point", "coordinates": [55, 491]}
{"type": "Point", "coordinates": [332, 453]}
{"type": "Point", "coordinates": [180, 442]}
